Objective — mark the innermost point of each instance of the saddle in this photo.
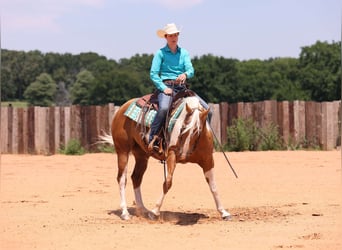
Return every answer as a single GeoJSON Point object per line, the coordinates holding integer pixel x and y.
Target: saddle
{"type": "Point", "coordinates": [152, 99]}
{"type": "Point", "coordinates": [150, 102]}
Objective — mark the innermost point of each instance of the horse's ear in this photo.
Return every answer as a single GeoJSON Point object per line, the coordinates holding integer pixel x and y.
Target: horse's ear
{"type": "Point", "coordinates": [204, 114]}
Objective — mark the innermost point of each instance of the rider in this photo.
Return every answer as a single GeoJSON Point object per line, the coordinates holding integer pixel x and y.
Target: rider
{"type": "Point", "coordinates": [171, 67]}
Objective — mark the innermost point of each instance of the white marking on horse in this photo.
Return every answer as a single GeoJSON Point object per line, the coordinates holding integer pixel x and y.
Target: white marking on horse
{"type": "Point", "coordinates": [209, 175]}
{"type": "Point", "coordinates": [180, 128]}
{"type": "Point", "coordinates": [123, 203]}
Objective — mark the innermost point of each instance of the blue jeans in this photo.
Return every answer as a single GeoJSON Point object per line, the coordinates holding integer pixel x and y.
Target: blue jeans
{"type": "Point", "coordinates": [165, 102]}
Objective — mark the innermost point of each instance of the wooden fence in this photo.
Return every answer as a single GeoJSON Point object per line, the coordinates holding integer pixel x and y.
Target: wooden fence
{"type": "Point", "coordinates": [43, 130]}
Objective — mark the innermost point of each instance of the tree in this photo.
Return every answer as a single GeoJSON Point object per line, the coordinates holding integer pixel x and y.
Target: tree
{"type": "Point", "coordinates": [42, 91]}
{"type": "Point", "coordinates": [319, 67]}
{"type": "Point", "coordinates": [81, 90]}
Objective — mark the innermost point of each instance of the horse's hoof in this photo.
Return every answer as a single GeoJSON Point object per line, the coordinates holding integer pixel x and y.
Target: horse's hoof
{"type": "Point", "coordinates": [152, 216]}
{"type": "Point", "coordinates": [227, 217]}
{"type": "Point", "coordinates": [125, 217]}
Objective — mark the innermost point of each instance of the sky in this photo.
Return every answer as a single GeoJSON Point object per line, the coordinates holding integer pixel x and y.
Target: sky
{"type": "Point", "coordinates": [239, 29]}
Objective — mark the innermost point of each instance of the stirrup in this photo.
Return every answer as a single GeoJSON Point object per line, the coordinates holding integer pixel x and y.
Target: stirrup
{"type": "Point", "coordinates": [151, 145]}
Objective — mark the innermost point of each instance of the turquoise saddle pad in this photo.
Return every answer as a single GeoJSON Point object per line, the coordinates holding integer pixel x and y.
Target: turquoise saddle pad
{"type": "Point", "coordinates": [134, 112]}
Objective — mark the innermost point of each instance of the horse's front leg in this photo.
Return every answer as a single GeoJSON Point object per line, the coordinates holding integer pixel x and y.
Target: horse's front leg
{"type": "Point", "coordinates": [171, 165]}
{"type": "Point", "coordinates": [210, 178]}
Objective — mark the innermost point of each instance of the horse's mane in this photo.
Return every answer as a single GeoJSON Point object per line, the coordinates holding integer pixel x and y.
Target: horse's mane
{"type": "Point", "coordinates": [194, 124]}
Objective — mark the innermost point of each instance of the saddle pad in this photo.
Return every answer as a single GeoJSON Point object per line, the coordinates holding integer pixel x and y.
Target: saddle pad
{"type": "Point", "coordinates": [134, 112]}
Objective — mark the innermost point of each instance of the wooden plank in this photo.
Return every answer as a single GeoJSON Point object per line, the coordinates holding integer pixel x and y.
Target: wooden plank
{"type": "Point", "coordinates": [15, 129]}
{"type": "Point", "coordinates": [57, 129]}
{"type": "Point", "coordinates": [311, 122]}
{"type": "Point", "coordinates": [324, 125]}
{"type": "Point", "coordinates": [50, 136]}
{"type": "Point", "coordinates": [111, 112]}
{"type": "Point", "coordinates": [247, 110]}
{"type": "Point", "coordinates": [336, 125]}
{"type": "Point", "coordinates": [40, 130]}
{"type": "Point", "coordinates": [104, 119]}
{"type": "Point", "coordinates": [270, 113]}
{"type": "Point", "coordinates": [92, 120]}
{"type": "Point", "coordinates": [319, 127]}
{"type": "Point", "coordinates": [283, 121]}
{"type": "Point", "coordinates": [10, 130]}
{"type": "Point", "coordinates": [20, 131]}
{"type": "Point", "coordinates": [299, 121]}
{"type": "Point", "coordinates": [216, 120]}
{"type": "Point", "coordinates": [258, 112]}
{"type": "Point", "coordinates": [61, 139]}
{"type": "Point", "coordinates": [224, 121]}
{"type": "Point", "coordinates": [4, 130]}
{"type": "Point", "coordinates": [239, 110]}
{"type": "Point", "coordinates": [327, 126]}
{"type": "Point", "coordinates": [84, 125]}
{"type": "Point", "coordinates": [291, 123]}
{"type": "Point", "coordinates": [25, 131]}
{"type": "Point", "coordinates": [67, 122]}
{"type": "Point", "coordinates": [232, 113]}
{"type": "Point", "coordinates": [31, 148]}
{"type": "Point", "coordinates": [75, 122]}
{"type": "Point", "coordinates": [99, 115]}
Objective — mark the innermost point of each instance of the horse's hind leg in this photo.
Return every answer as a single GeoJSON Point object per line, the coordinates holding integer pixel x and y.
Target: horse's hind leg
{"type": "Point", "coordinates": [141, 160]}
{"type": "Point", "coordinates": [122, 180]}
{"type": "Point", "coordinates": [209, 176]}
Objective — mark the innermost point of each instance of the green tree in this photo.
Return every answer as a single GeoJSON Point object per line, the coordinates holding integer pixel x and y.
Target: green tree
{"type": "Point", "coordinates": [215, 78]}
{"type": "Point", "coordinates": [283, 72]}
{"type": "Point", "coordinates": [81, 90]}
{"type": "Point", "coordinates": [42, 91]}
{"type": "Point", "coordinates": [319, 67]}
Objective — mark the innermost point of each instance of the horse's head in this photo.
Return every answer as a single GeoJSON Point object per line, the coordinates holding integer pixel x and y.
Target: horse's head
{"type": "Point", "coordinates": [188, 127]}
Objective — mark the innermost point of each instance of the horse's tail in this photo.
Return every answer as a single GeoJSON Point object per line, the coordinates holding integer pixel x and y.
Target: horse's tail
{"type": "Point", "coordinates": [105, 139]}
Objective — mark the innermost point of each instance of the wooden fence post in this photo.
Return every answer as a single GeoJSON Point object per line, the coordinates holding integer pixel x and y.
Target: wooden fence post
{"type": "Point", "coordinates": [216, 120]}
{"type": "Point", "coordinates": [224, 121]}
{"type": "Point", "coordinates": [283, 121]}
{"type": "Point", "coordinates": [31, 148]}
{"type": "Point", "coordinates": [4, 130]}
{"type": "Point", "coordinates": [42, 130]}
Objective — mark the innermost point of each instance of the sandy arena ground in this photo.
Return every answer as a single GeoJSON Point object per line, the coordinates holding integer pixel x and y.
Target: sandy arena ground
{"type": "Point", "coordinates": [281, 200]}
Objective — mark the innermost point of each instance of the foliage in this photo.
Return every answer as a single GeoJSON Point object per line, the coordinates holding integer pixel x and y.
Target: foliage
{"type": "Point", "coordinates": [73, 147]}
{"type": "Point", "coordinates": [92, 79]}
{"type": "Point", "coordinates": [42, 91]}
{"type": "Point", "coordinates": [14, 104]}
{"type": "Point", "coordinates": [270, 138]}
{"type": "Point", "coordinates": [104, 148]}
{"type": "Point", "coordinates": [320, 71]}
{"type": "Point", "coordinates": [80, 91]}
{"type": "Point", "coordinates": [244, 135]}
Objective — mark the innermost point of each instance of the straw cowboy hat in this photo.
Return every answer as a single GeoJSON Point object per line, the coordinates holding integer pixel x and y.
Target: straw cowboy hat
{"type": "Point", "coordinates": [169, 29]}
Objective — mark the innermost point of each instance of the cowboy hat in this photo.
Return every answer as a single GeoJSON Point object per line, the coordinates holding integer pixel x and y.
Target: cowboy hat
{"type": "Point", "coordinates": [169, 29]}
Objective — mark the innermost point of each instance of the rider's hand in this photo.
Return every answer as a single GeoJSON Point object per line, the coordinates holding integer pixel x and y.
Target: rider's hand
{"type": "Point", "coordinates": [167, 91]}
{"type": "Point", "coordinates": [181, 78]}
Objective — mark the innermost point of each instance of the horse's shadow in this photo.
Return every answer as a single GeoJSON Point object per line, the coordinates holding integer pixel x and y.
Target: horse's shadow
{"type": "Point", "coordinates": [177, 218]}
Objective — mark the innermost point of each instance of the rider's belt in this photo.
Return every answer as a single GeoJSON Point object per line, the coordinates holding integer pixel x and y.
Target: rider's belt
{"type": "Point", "coordinates": [170, 82]}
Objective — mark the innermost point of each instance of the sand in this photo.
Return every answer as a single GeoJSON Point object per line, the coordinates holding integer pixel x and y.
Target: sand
{"type": "Point", "coordinates": [281, 200]}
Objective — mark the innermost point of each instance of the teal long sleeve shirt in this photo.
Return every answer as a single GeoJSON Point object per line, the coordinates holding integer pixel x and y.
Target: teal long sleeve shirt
{"type": "Point", "coordinates": [168, 65]}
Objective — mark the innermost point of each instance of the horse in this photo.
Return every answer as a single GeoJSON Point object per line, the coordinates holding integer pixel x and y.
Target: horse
{"type": "Point", "coordinates": [191, 140]}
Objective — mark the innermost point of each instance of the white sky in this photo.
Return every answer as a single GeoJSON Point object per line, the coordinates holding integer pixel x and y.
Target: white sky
{"type": "Point", "coordinates": [240, 29]}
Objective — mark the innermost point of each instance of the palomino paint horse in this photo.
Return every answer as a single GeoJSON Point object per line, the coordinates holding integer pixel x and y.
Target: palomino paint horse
{"type": "Point", "coordinates": [190, 141]}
